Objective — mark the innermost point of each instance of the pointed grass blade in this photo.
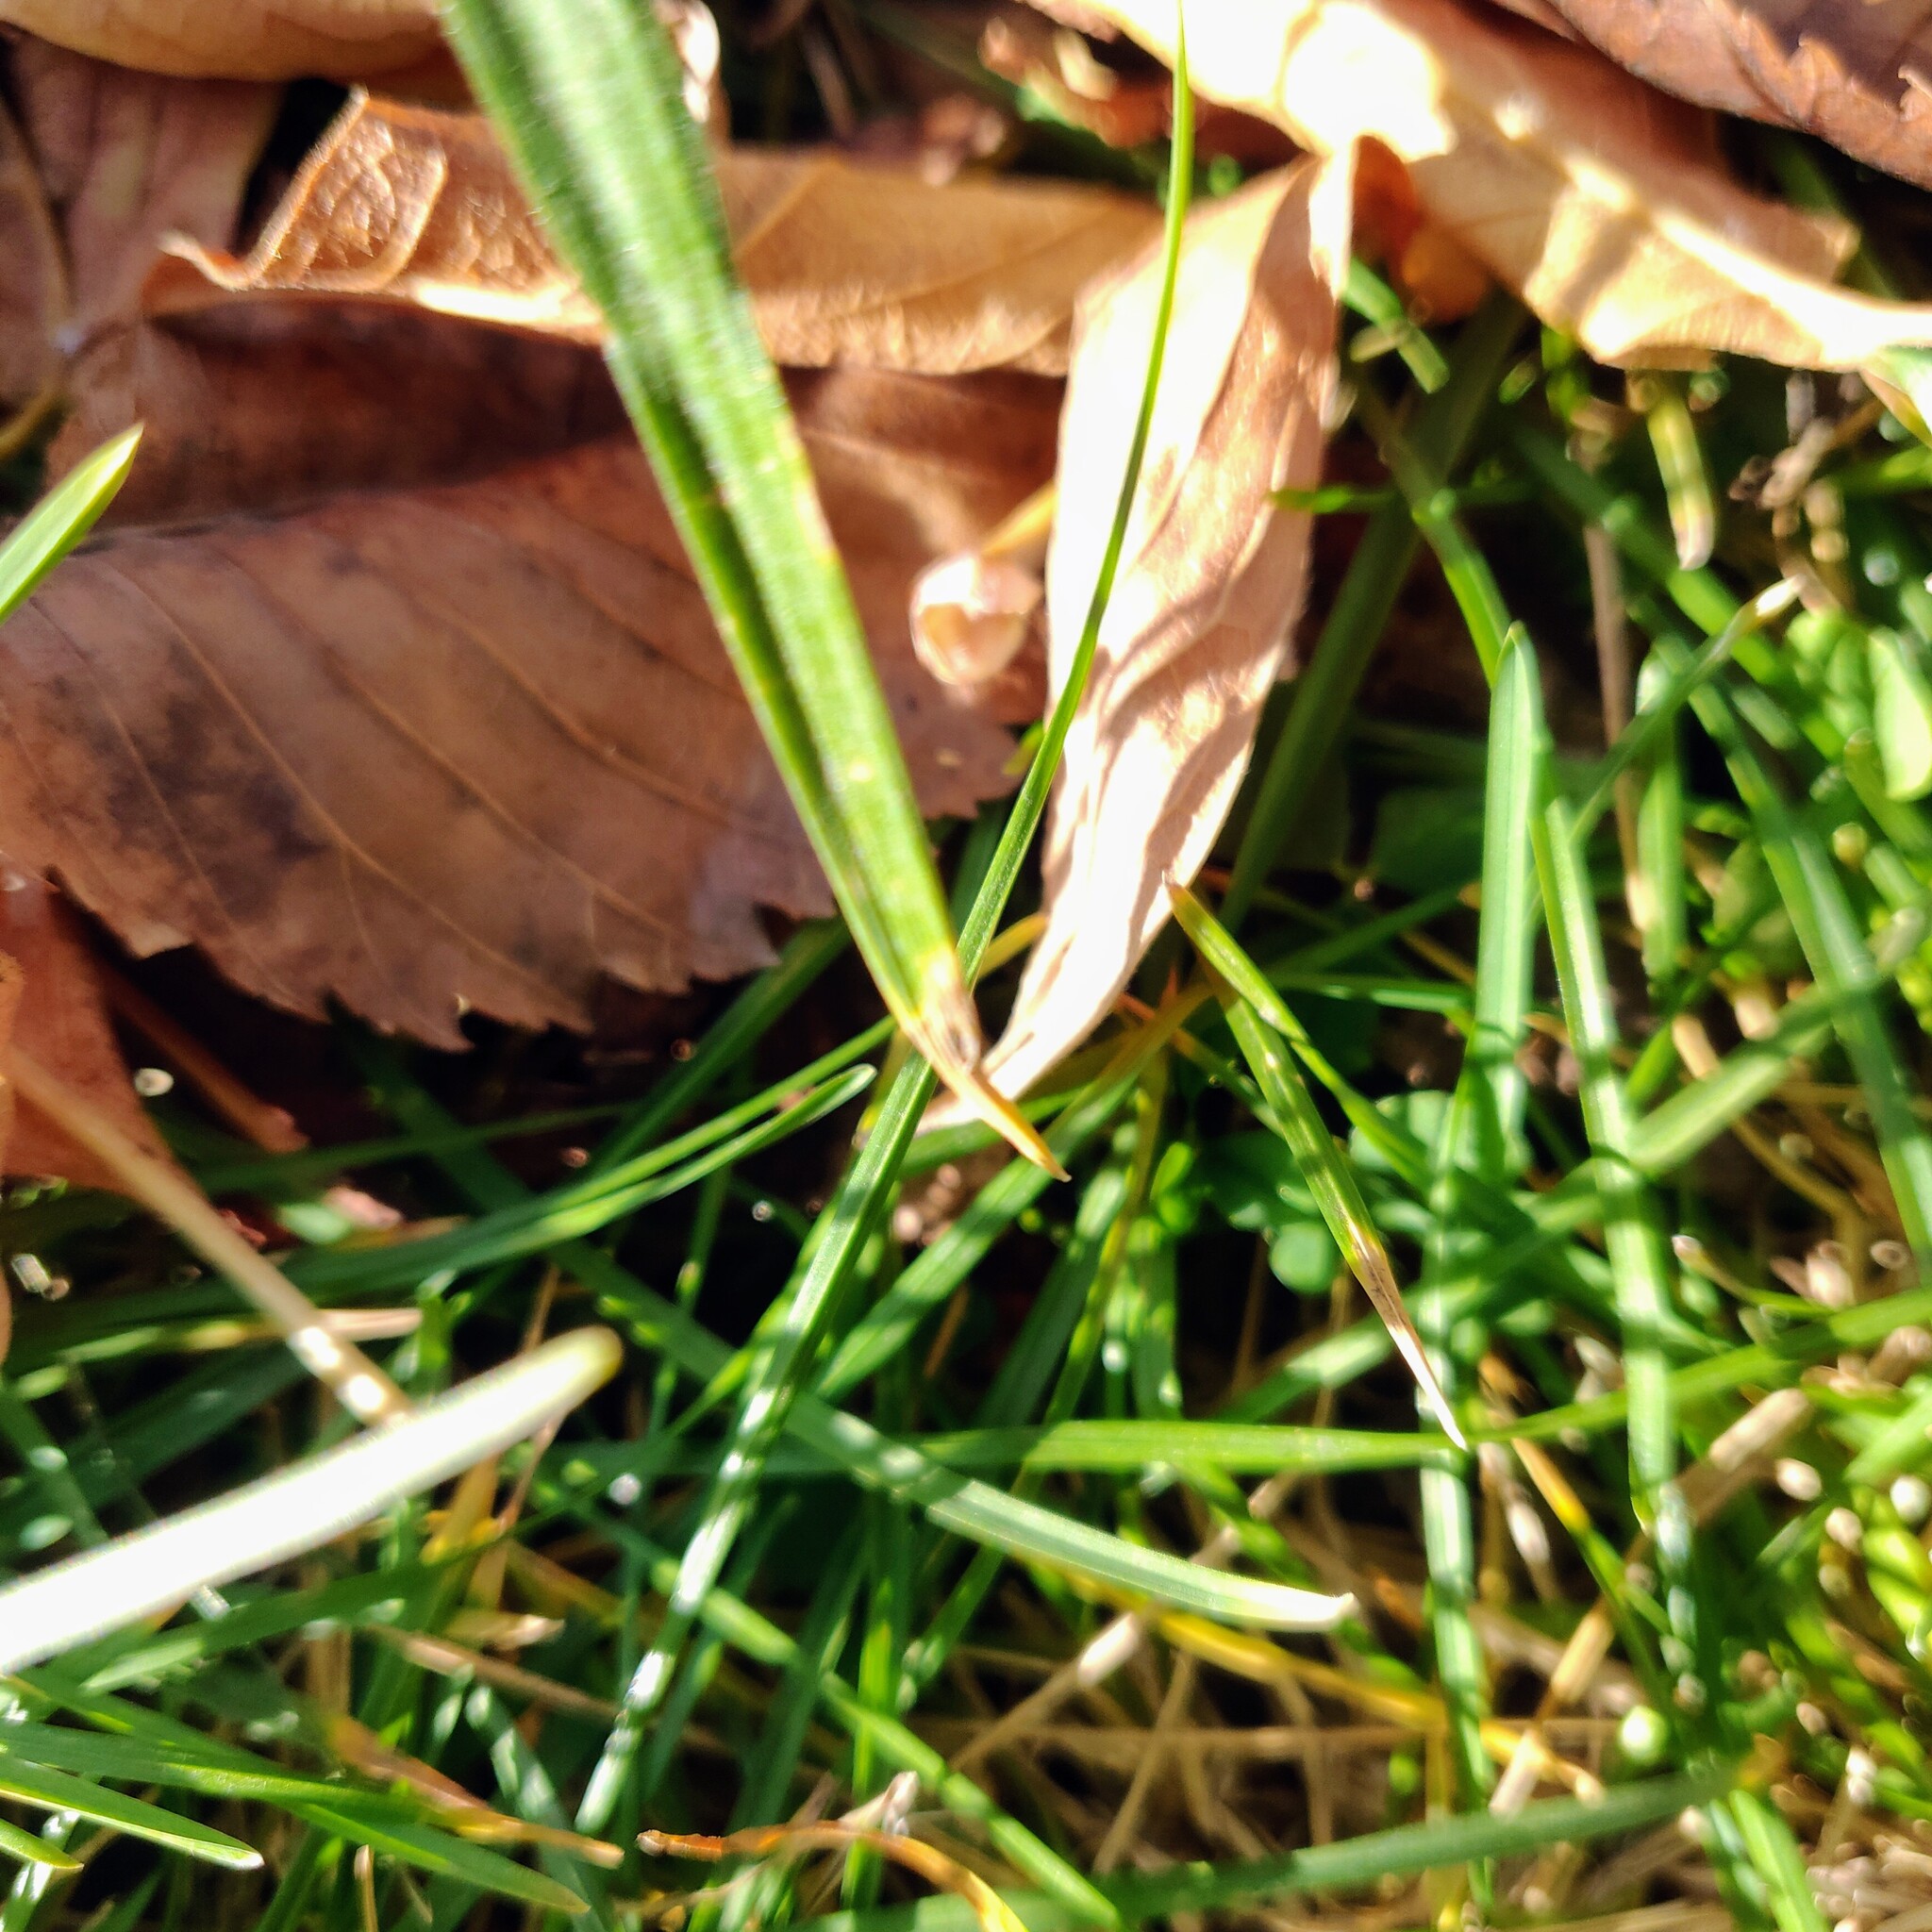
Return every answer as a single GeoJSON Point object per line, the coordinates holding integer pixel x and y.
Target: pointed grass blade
{"type": "Point", "coordinates": [589, 96]}
{"type": "Point", "coordinates": [29, 1850]}
{"type": "Point", "coordinates": [63, 517]}
{"type": "Point", "coordinates": [1328, 1174]}
{"type": "Point", "coordinates": [61, 1790]}
{"type": "Point", "coordinates": [300, 1508]}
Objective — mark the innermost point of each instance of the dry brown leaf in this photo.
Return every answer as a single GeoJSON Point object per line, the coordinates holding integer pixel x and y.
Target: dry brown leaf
{"type": "Point", "coordinates": [1677, 44]}
{"type": "Point", "coordinates": [412, 204]}
{"type": "Point", "coordinates": [33, 290]}
{"type": "Point", "coordinates": [1857, 73]}
{"type": "Point", "coordinates": [846, 264]}
{"type": "Point", "coordinates": [61, 1018]}
{"type": "Point", "coordinates": [126, 156]}
{"type": "Point", "coordinates": [1210, 581]}
{"type": "Point", "coordinates": [238, 40]}
{"type": "Point", "coordinates": [1594, 197]}
{"type": "Point", "coordinates": [428, 745]}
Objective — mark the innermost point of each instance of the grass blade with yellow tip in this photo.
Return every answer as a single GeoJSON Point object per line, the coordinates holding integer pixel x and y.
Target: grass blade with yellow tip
{"type": "Point", "coordinates": [1328, 1176]}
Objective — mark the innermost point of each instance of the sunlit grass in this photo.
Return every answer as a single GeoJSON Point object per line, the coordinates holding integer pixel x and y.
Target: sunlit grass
{"type": "Point", "coordinates": [1104, 1509]}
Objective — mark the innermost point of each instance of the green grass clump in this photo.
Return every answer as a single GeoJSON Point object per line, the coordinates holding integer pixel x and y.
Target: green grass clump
{"type": "Point", "coordinates": [1590, 1001]}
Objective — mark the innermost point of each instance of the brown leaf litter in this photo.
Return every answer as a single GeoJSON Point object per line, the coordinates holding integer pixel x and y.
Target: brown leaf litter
{"type": "Point", "coordinates": [391, 682]}
{"type": "Point", "coordinates": [51, 1006]}
{"type": "Point", "coordinates": [1856, 73]}
{"type": "Point", "coordinates": [245, 40]}
{"type": "Point", "coordinates": [1596, 199]}
{"type": "Point", "coordinates": [844, 263]}
{"type": "Point", "coordinates": [428, 747]}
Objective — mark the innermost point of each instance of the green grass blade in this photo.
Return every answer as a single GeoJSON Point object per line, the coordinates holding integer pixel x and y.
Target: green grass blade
{"type": "Point", "coordinates": [1640, 1259]}
{"type": "Point", "coordinates": [429, 1849]}
{"type": "Point", "coordinates": [1324, 1167]}
{"type": "Point", "coordinates": [1658, 893]}
{"type": "Point", "coordinates": [296, 1510]}
{"type": "Point", "coordinates": [762, 1641]}
{"type": "Point", "coordinates": [57, 1791]}
{"type": "Point", "coordinates": [30, 1850]}
{"type": "Point", "coordinates": [807, 953]}
{"type": "Point", "coordinates": [1352, 1864]}
{"type": "Point", "coordinates": [589, 96]}
{"type": "Point", "coordinates": [789, 1334]}
{"type": "Point", "coordinates": [1325, 692]}
{"type": "Point", "coordinates": [63, 517]}
{"type": "Point", "coordinates": [1678, 1128]}
{"type": "Point", "coordinates": [967, 1507]}
{"type": "Point", "coordinates": [1659, 707]}
{"type": "Point", "coordinates": [1814, 896]}
{"type": "Point", "coordinates": [1506, 941]}
{"type": "Point", "coordinates": [1332, 1183]}
{"type": "Point", "coordinates": [531, 1223]}
{"type": "Point", "coordinates": [1374, 301]}
{"type": "Point", "coordinates": [821, 1640]}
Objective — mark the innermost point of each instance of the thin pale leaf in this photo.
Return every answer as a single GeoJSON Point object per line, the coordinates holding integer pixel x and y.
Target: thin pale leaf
{"type": "Point", "coordinates": [298, 1508]}
{"type": "Point", "coordinates": [1210, 581]}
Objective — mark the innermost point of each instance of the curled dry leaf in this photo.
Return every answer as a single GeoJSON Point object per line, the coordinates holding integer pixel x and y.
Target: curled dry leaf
{"type": "Point", "coordinates": [427, 742]}
{"type": "Point", "coordinates": [59, 1016]}
{"type": "Point", "coordinates": [974, 613]}
{"type": "Point", "coordinates": [1210, 579]}
{"type": "Point", "coordinates": [846, 264]}
{"type": "Point", "coordinates": [1596, 198]}
{"type": "Point", "coordinates": [33, 291]}
{"type": "Point", "coordinates": [970, 615]}
{"type": "Point", "coordinates": [238, 40]}
{"type": "Point", "coordinates": [1857, 73]}
{"type": "Point", "coordinates": [412, 204]}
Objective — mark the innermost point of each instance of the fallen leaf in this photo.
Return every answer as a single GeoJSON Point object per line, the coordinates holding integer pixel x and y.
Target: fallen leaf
{"type": "Point", "coordinates": [1857, 73]}
{"type": "Point", "coordinates": [1680, 45]}
{"type": "Point", "coordinates": [411, 205]}
{"type": "Point", "coordinates": [1596, 198]}
{"type": "Point", "coordinates": [1210, 580]}
{"type": "Point", "coordinates": [1439, 278]}
{"type": "Point", "coordinates": [844, 263]}
{"type": "Point", "coordinates": [11, 983]}
{"type": "Point", "coordinates": [1059, 67]}
{"type": "Point", "coordinates": [273, 407]}
{"type": "Point", "coordinates": [237, 39]}
{"type": "Point", "coordinates": [61, 1018]}
{"type": "Point", "coordinates": [423, 745]}
{"type": "Point", "coordinates": [123, 157]}
{"type": "Point", "coordinates": [989, 1910]}
{"type": "Point", "coordinates": [33, 291]}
